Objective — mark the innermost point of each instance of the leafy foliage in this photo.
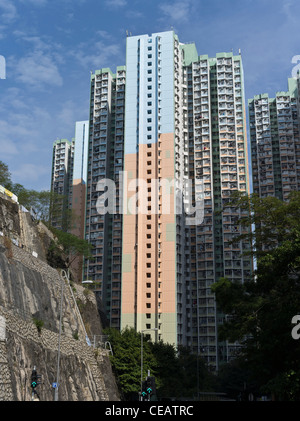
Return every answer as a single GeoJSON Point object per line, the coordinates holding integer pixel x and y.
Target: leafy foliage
{"type": "Point", "coordinates": [261, 311]}
{"type": "Point", "coordinates": [126, 359]}
{"type": "Point", "coordinates": [5, 176]}
{"type": "Point", "coordinates": [66, 248]}
{"type": "Point", "coordinates": [47, 206]}
{"type": "Point", "coordinates": [175, 371]}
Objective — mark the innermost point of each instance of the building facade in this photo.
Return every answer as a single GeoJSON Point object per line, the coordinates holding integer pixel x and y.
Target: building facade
{"type": "Point", "coordinates": [153, 294]}
{"type": "Point", "coordinates": [275, 142]}
{"type": "Point", "coordinates": [61, 181]}
{"type": "Point", "coordinates": [169, 130]}
{"type": "Point", "coordinates": [79, 176]}
{"type": "Point", "coordinates": [218, 155]}
{"type": "Point", "coordinates": [105, 161]}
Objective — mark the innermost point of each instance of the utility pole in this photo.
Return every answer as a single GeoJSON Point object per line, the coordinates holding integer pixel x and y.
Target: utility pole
{"type": "Point", "coordinates": [64, 275]}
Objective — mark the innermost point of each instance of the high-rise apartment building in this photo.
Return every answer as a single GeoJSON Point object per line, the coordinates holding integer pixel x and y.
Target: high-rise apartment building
{"type": "Point", "coordinates": [79, 177]}
{"type": "Point", "coordinates": [77, 198]}
{"type": "Point", "coordinates": [174, 143]}
{"type": "Point", "coordinates": [275, 142]}
{"type": "Point", "coordinates": [69, 168]}
{"type": "Point", "coordinates": [105, 161]}
{"type": "Point", "coordinates": [153, 290]}
{"type": "Point", "coordinates": [217, 150]}
{"type": "Point", "coordinates": [61, 179]}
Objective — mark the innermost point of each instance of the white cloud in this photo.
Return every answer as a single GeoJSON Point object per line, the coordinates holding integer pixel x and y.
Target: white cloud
{"type": "Point", "coordinates": [38, 69]}
{"type": "Point", "coordinates": [35, 2]}
{"type": "Point", "coordinates": [28, 173]}
{"type": "Point", "coordinates": [66, 117]}
{"type": "Point", "coordinates": [8, 11]}
{"type": "Point", "coordinates": [116, 3]}
{"type": "Point", "coordinates": [287, 7]}
{"type": "Point", "coordinates": [178, 11]}
{"type": "Point", "coordinates": [99, 55]}
{"type": "Point", "coordinates": [103, 34]}
{"type": "Point", "coordinates": [7, 146]}
{"type": "Point", "coordinates": [12, 96]}
{"type": "Point", "coordinates": [134, 14]}
{"type": "Point", "coordinates": [40, 66]}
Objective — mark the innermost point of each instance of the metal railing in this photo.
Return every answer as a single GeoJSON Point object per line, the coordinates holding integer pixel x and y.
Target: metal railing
{"type": "Point", "coordinates": [101, 341]}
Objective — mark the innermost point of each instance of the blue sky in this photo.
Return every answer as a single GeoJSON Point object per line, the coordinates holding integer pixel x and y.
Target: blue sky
{"type": "Point", "coordinates": [50, 47]}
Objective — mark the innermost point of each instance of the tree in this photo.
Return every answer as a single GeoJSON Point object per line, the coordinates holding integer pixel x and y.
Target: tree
{"type": "Point", "coordinates": [47, 205]}
{"type": "Point", "coordinates": [261, 310]}
{"type": "Point", "coordinates": [68, 246]}
{"type": "Point", "coordinates": [169, 379]}
{"type": "Point", "coordinates": [126, 359]}
{"type": "Point", "coordinates": [5, 176]}
{"type": "Point", "coordinates": [175, 370]}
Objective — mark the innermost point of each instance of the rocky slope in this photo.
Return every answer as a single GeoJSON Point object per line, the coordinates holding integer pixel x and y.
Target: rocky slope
{"type": "Point", "coordinates": [32, 295]}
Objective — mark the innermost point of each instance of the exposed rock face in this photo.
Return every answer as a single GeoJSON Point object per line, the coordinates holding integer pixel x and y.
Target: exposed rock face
{"type": "Point", "coordinates": [30, 302]}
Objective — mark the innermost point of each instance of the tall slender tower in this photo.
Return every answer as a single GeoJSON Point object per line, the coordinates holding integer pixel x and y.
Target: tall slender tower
{"type": "Point", "coordinates": [218, 155]}
{"type": "Point", "coordinates": [61, 180]}
{"type": "Point", "coordinates": [78, 181]}
{"type": "Point", "coordinates": [153, 243]}
{"type": "Point", "coordinates": [105, 161]}
{"type": "Point", "coordinates": [78, 189]}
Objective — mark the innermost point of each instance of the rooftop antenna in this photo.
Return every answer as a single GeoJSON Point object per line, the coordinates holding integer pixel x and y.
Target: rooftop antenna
{"type": "Point", "coordinates": [127, 32]}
